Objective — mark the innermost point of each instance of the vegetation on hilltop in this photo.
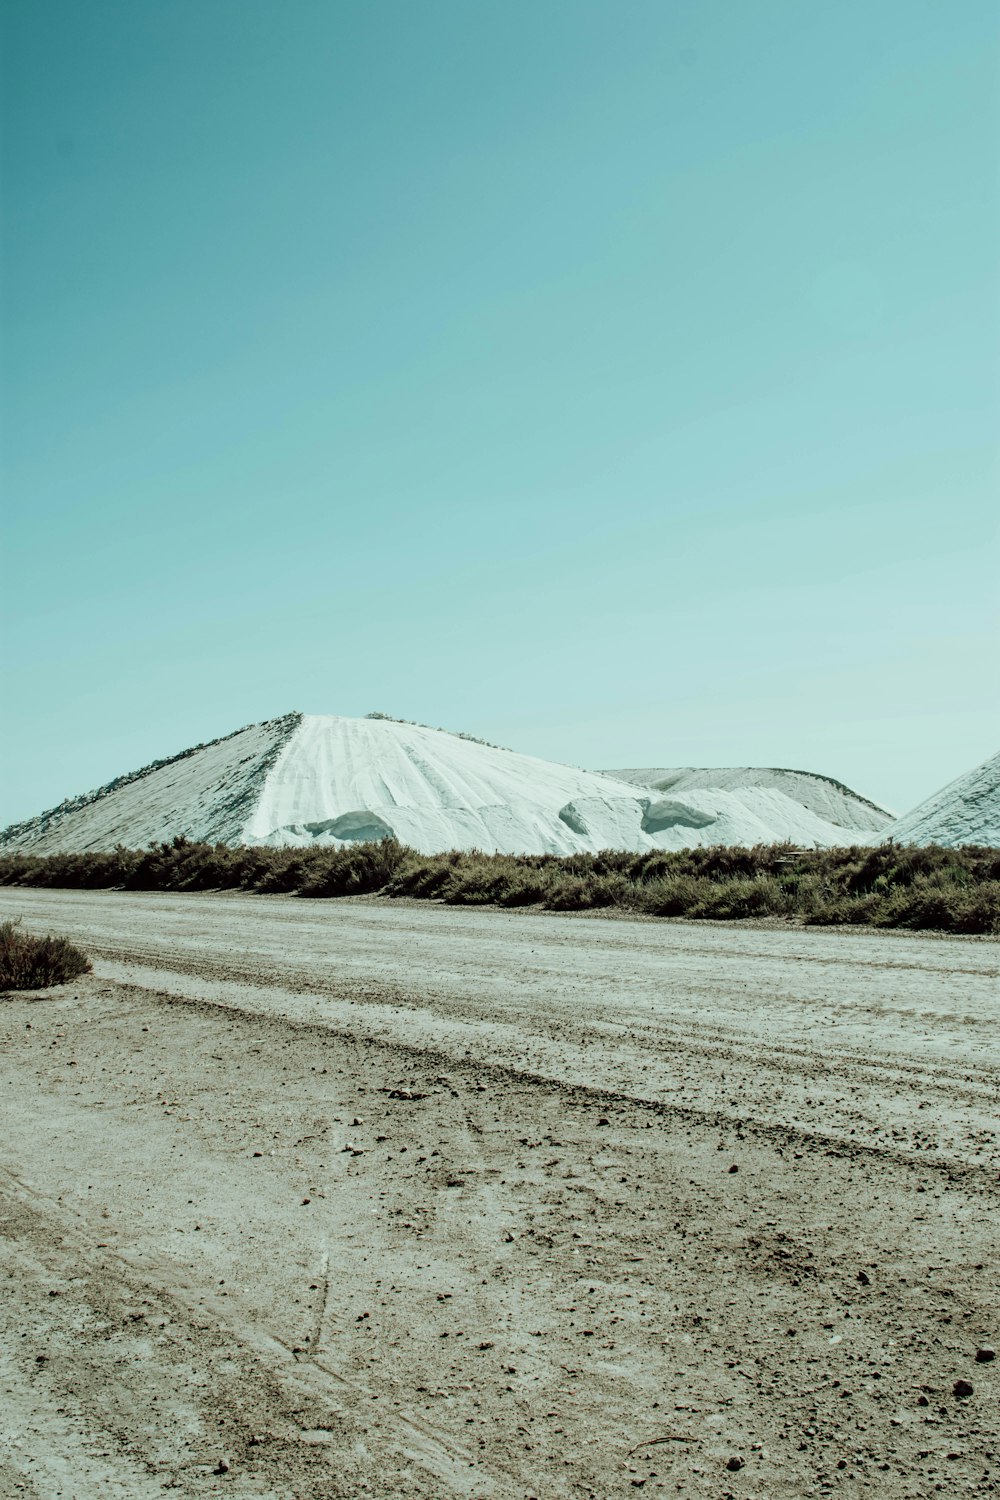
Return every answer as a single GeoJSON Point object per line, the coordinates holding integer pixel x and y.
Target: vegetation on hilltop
{"type": "Point", "coordinates": [457, 734]}
{"type": "Point", "coordinates": [945, 890]}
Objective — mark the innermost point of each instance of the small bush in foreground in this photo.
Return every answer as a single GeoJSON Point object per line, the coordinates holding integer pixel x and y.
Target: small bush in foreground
{"type": "Point", "coordinates": [33, 963]}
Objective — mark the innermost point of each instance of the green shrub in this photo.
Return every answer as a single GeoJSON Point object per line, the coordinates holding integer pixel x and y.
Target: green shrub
{"type": "Point", "coordinates": [669, 895]}
{"type": "Point", "coordinates": [574, 893]}
{"type": "Point", "coordinates": [585, 892]}
{"type": "Point", "coordinates": [840, 908]}
{"type": "Point", "coordinates": [359, 869]}
{"type": "Point", "coordinates": [422, 876]}
{"type": "Point", "coordinates": [743, 896]}
{"type": "Point", "coordinates": [33, 963]}
{"type": "Point", "coordinates": [947, 890]}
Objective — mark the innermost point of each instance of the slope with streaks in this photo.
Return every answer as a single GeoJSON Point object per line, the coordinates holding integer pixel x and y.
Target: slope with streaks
{"type": "Point", "coordinates": [828, 799]}
{"type": "Point", "coordinates": [331, 780]}
{"type": "Point", "coordinates": [966, 811]}
{"type": "Point", "coordinates": [205, 793]}
{"type": "Point", "coordinates": [340, 779]}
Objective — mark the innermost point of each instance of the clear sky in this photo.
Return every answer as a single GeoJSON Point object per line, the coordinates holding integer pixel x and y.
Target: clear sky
{"type": "Point", "coordinates": [617, 381]}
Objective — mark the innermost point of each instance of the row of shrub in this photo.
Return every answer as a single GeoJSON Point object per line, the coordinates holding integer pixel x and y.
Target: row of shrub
{"type": "Point", "coordinates": [948, 890]}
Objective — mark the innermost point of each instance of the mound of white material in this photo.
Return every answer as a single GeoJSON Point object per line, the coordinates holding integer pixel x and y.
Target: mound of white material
{"type": "Point", "coordinates": [341, 779]}
{"type": "Point", "coordinates": [966, 811]}
{"type": "Point", "coordinates": [828, 799]}
{"type": "Point", "coordinates": [206, 794]}
{"type": "Point", "coordinates": [307, 780]}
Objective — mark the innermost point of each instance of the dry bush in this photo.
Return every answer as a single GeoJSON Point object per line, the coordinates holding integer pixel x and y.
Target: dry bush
{"type": "Point", "coordinates": [947, 890]}
{"type": "Point", "coordinates": [33, 963]}
{"type": "Point", "coordinates": [359, 869]}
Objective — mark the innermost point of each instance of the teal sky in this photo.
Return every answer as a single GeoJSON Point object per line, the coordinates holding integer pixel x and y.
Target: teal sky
{"type": "Point", "coordinates": [617, 381]}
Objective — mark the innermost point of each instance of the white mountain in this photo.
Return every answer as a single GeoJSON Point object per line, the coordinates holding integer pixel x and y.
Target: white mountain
{"type": "Point", "coordinates": [325, 779]}
{"type": "Point", "coordinates": [966, 811]}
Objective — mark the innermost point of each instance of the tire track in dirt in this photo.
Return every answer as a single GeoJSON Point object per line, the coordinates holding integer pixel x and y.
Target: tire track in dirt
{"type": "Point", "coordinates": [693, 1270]}
{"type": "Point", "coordinates": [526, 1070]}
{"type": "Point", "coordinates": [103, 1290]}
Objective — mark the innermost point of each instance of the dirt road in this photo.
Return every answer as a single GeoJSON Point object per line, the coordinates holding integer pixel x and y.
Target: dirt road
{"type": "Point", "coordinates": [322, 1199]}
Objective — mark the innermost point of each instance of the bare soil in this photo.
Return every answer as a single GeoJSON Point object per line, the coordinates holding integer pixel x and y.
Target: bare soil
{"type": "Point", "coordinates": [360, 1199]}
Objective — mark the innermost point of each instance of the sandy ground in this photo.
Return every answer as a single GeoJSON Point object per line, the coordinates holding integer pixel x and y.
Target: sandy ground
{"type": "Point", "coordinates": [304, 1199]}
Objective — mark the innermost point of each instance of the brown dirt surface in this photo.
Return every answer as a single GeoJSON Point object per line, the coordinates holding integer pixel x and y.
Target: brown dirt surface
{"type": "Point", "coordinates": [319, 1200]}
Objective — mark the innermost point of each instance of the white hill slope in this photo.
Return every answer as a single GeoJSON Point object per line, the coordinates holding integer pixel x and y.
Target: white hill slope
{"type": "Point", "coordinates": [966, 811]}
{"type": "Point", "coordinates": [207, 793]}
{"type": "Point", "coordinates": [319, 779]}
{"type": "Point", "coordinates": [828, 799]}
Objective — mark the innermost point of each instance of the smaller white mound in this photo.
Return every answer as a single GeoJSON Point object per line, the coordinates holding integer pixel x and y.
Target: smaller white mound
{"type": "Point", "coordinates": [755, 815]}
{"type": "Point", "coordinates": [966, 811]}
{"type": "Point", "coordinates": [828, 799]}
